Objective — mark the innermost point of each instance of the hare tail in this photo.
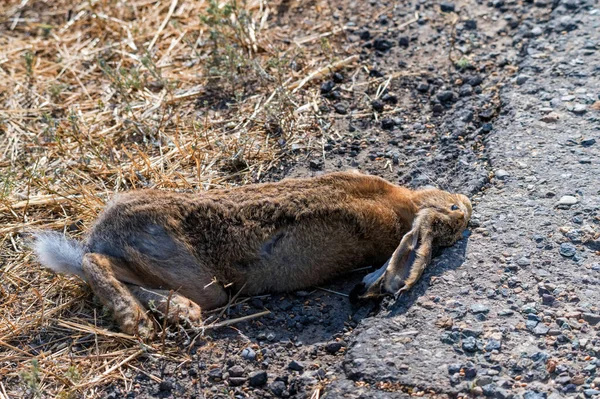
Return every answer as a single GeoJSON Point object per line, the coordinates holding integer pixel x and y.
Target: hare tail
{"type": "Point", "coordinates": [59, 253]}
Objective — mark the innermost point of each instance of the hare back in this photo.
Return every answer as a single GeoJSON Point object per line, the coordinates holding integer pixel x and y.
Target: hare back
{"type": "Point", "coordinates": [268, 237]}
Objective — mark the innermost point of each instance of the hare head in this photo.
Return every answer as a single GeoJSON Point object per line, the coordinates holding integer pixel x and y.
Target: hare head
{"type": "Point", "coordinates": [439, 221]}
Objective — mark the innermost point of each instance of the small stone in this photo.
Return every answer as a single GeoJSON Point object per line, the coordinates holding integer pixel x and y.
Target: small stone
{"type": "Point", "coordinates": [341, 108]}
{"type": "Point", "coordinates": [579, 109]}
{"type": "Point", "coordinates": [387, 123]}
{"type": "Point", "coordinates": [215, 374]}
{"type": "Point", "coordinates": [479, 308]}
{"type": "Point", "coordinates": [567, 250]}
{"type": "Point", "coordinates": [506, 312]}
{"type": "Point", "coordinates": [487, 127]}
{"type": "Point", "coordinates": [389, 98]}
{"type": "Point", "coordinates": [454, 368]}
{"type": "Point", "coordinates": [258, 378]}
{"type": "Point", "coordinates": [588, 142]}
{"type": "Point", "coordinates": [521, 79]}
{"type": "Point", "coordinates": [296, 366]}
{"type": "Point", "coordinates": [534, 395]}
{"type": "Point", "coordinates": [537, 31]}
{"type": "Point", "coordinates": [470, 24]}
{"type": "Point", "coordinates": [278, 388]}
{"type": "Point", "coordinates": [567, 200]}
{"type": "Point", "coordinates": [236, 371]}
{"type": "Point", "coordinates": [446, 96]}
{"type": "Point", "coordinates": [591, 318]}
{"type": "Point", "coordinates": [469, 344]}
{"type": "Point", "coordinates": [377, 105]}
{"type": "Point", "coordinates": [529, 308]}
{"type": "Point", "coordinates": [541, 329]}
{"type": "Point", "coordinates": [165, 386]}
{"type": "Point", "coordinates": [334, 347]}
{"type": "Point", "coordinates": [338, 77]}
{"type": "Point", "coordinates": [591, 392]}
{"type": "Point", "coordinates": [422, 87]}
{"type": "Point", "coordinates": [523, 261]}
{"type": "Point", "coordinates": [465, 90]}
{"type": "Point", "coordinates": [447, 7]}
{"type": "Point", "coordinates": [551, 117]}
{"type": "Point", "coordinates": [237, 381]}
{"type": "Point", "coordinates": [382, 44]}
{"type": "Point", "coordinates": [404, 41]}
{"type": "Point", "coordinates": [547, 299]}
{"type": "Point", "coordinates": [483, 381]}
{"type": "Point", "coordinates": [501, 174]}
{"type": "Point", "coordinates": [327, 86]}
{"type": "Point", "coordinates": [493, 344]}
{"type": "Point", "coordinates": [249, 354]}
{"type": "Point", "coordinates": [487, 113]}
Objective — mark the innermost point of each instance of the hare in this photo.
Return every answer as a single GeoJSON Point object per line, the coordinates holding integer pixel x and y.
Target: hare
{"type": "Point", "coordinates": [150, 245]}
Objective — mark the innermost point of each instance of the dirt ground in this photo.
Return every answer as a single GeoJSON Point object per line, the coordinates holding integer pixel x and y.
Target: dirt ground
{"type": "Point", "coordinates": [499, 100]}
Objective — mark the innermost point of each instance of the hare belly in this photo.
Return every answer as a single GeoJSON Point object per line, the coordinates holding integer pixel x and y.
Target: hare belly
{"type": "Point", "coordinates": [310, 255]}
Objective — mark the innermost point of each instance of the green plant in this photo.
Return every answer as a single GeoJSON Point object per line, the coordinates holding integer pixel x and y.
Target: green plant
{"type": "Point", "coordinates": [31, 378]}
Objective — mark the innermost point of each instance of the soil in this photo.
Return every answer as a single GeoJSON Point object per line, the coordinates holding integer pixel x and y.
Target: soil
{"type": "Point", "coordinates": [495, 99]}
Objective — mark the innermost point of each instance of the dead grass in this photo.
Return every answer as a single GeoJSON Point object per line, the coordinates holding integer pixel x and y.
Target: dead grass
{"type": "Point", "coordinates": [103, 96]}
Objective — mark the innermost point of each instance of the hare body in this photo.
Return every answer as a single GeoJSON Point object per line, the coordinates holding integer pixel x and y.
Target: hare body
{"type": "Point", "coordinates": [271, 237]}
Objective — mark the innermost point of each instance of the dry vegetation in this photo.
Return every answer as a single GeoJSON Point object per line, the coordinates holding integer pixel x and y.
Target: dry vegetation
{"type": "Point", "coordinates": [102, 96]}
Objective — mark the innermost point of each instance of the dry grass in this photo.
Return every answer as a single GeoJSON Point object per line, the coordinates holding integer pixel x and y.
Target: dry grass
{"type": "Point", "coordinates": [102, 96]}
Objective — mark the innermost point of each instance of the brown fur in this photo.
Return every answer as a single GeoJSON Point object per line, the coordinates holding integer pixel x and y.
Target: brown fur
{"type": "Point", "coordinates": [272, 237]}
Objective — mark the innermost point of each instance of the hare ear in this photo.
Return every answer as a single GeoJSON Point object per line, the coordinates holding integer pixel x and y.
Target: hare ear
{"type": "Point", "coordinates": [407, 263]}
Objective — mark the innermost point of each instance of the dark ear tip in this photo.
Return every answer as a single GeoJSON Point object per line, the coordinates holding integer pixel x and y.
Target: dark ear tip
{"type": "Point", "coordinates": [358, 290]}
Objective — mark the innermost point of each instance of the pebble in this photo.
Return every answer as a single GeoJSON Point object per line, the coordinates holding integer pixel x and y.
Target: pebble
{"type": "Point", "coordinates": [387, 124]}
{"type": "Point", "coordinates": [334, 347]}
{"type": "Point", "coordinates": [551, 117]}
{"type": "Point", "coordinates": [422, 87]}
{"type": "Point", "coordinates": [341, 108]}
{"type": "Point", "coordinates": [469, 344]}
{"type": "Point", "coordinates": [296, 366]}
{"type": "Point", "coordinates": [404, 41]}
{"type": "Point", "coordinates": [591, 392]}
{"type": "Point", "coordinates": [506, 312]}
{"type": "Point", "coordinates": [479, 308]}
{"type": "Point", "coordinates": [501, 174]}
{"type": "Point", "coordinates": [447, 7]}
{"type": "Point", "coordinates": [523, 261]}
{"type": "Point", "coordinates": [534, 395]}
{"type": "Point", "coordinates": [382, 44]}
{"type": "Point", "coordinates": [377, 105]}
{"type": "Point", "coordinates": [579, 109]}
{"type": "Point", "coordinates": [567, 200]}
{"type": "Point", "coordinates": [257, 378]}
{"type": "Point", "coordinates": [249, 354]}
{"type": "Point", "coordinates": [541, 329]}
{"type": "Point", "coordinates": [236, 371]}
{"type": "Point", "coordinates": [215, 374]}
{"type": "Point", "coordinates": [521, 79]}
{"type": "Point", "coordinates": [327, 86]}
{"type": "Point", "coordinates": [278, 388]}
{"type": "Point", "coordinates": [446, 96]}
{"type": "Point", "coordinates": [588, 142]}
{"type": "Point", "coordinates": [493, 344]}
{"type": "Point", "coordinates": [568, 250]}
{"type": "Point", "coordinates": [237, 381]}
{"type": "Point", "coordinates": [591, 318]}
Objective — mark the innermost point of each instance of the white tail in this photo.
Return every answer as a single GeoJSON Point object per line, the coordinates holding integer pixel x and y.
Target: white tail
{"type": "Point", "coordinates": [57, 252]}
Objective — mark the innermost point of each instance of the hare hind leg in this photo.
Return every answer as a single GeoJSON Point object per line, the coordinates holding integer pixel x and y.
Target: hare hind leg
{"type": "Point", "coordinates": [178, 307]}
{"type": "Point", "coordinates": [127, 311]}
